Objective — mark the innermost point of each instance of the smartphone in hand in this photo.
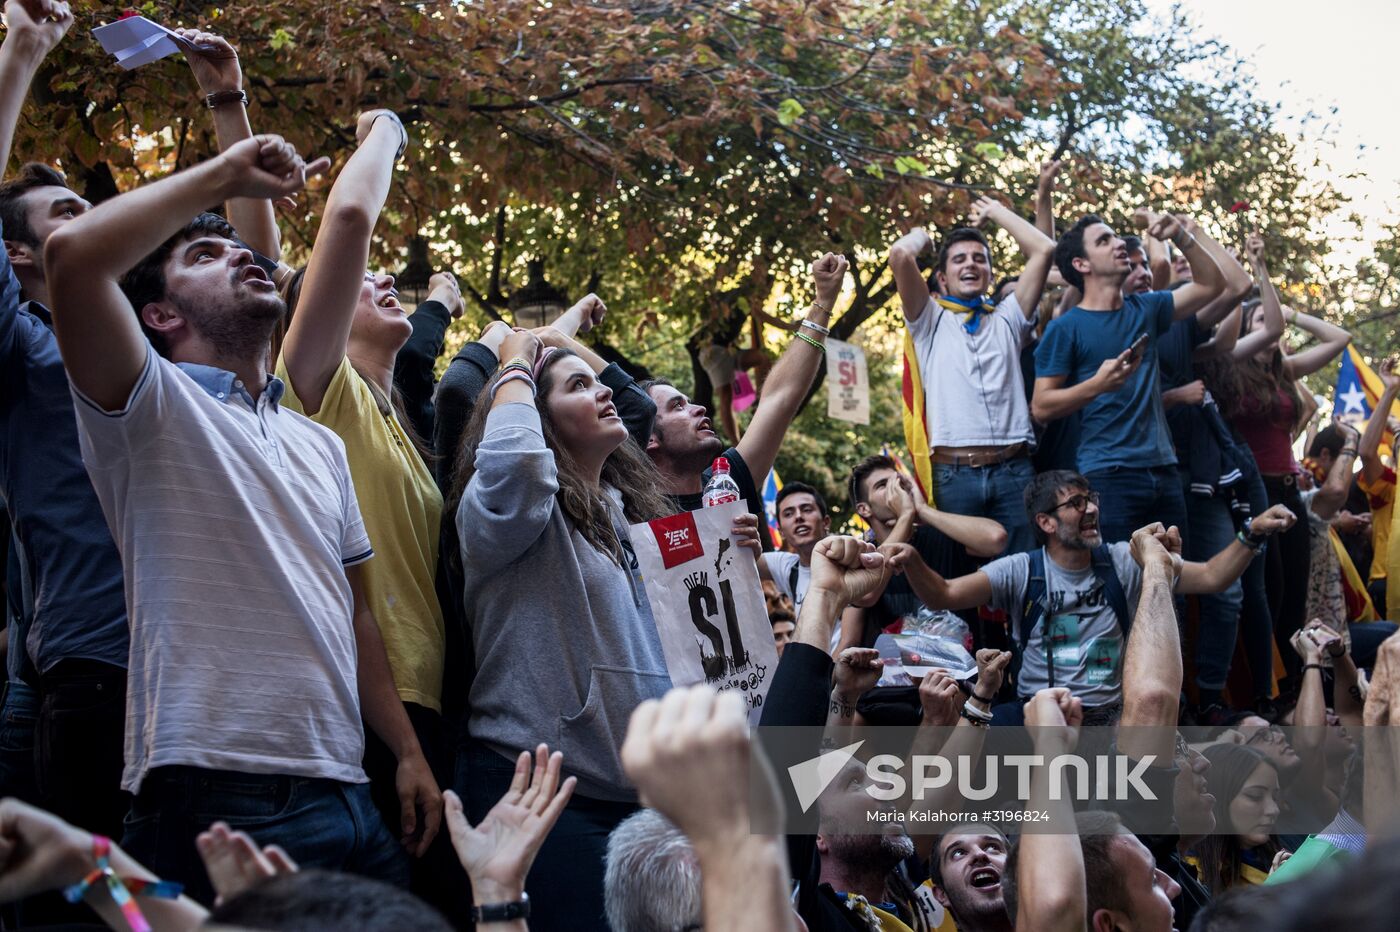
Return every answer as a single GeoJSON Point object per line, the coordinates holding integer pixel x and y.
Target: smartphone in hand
{"type": "Point", "coordinates": [1138, 348]}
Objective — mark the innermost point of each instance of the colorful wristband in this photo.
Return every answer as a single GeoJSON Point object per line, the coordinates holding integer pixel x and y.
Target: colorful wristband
{"type": "Point", "coordinates": [806, 339]}
{"type": "Point", "coordinates": [815, 326]}
{"type": "Point", "coordinates": [122, 890]}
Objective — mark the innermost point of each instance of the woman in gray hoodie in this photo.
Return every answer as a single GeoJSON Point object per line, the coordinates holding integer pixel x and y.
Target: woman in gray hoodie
{"type": "Point", "coordinates": [565, 643]}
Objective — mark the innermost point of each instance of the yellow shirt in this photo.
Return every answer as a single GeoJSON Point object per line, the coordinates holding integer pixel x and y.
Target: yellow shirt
{"type": "Point", "coordinates": [1381, 497]}
{"type": "Point", "coordinates": [402, 510]}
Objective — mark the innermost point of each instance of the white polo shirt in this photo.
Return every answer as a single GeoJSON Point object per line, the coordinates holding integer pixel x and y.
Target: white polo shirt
{"type": "Point", "coordinates": [974, 393]}
{"type": "Point", "coordinates": [235, 520]}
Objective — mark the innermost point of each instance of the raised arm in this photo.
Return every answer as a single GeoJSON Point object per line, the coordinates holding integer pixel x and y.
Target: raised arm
{"type": "Point", "coordinates": [416, 360]}
{"type": "Point", "coordinates": [1038, 249]}
{"type": "Point", "coordinates": [690, 756]}
{"type": "Point", "coordinates": [908, 279]}
{"type": "Point", "coordinates": [1159, 262]}
{"type": "Point", "coordinates": [1222, 342]}
{"type": "Point", "coordinates": [1273, 327]}
{"type": "Point", "coordinates": [1050, 880]}
{"type": "Point", "coordinates": [320, 329]}
{"type": "Point", "coordinates": [791, 379]}
{"type": "Point", "coordinates": [844, 570]}
{"type": "Point", "coordinates": [1208, 281]}
{"type": "Point", "coordinates": [1216, 574]}
{"type": "Point", "coordinates": [1045, 197]}
{"type": "Point", "coordinates": [1237, 280]}
{"type": "Point", "coordinates": [1371, 465]}
{"type": "Point", "coordinates": [34, 27]}
{"type": "Point", "coordinates": [1152, 670]}
{"type": "Point", "coordinates": [1333, 494]}
{"type": "Point", "coordinates": [103, 347]}
{"type": "Point", "coordinates": [220, 78]}
{"type": "Point", "coordinates": [1332, 341]}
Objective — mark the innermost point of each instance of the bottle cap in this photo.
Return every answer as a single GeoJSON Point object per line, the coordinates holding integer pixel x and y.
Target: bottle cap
{"type": "Point", "coordinates": [720, 464]}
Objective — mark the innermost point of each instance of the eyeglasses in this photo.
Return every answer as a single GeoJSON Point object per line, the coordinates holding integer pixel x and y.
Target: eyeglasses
{"type": "Point", "coordinates": [1078, 503]}
{"type": "Point", "coordinates": [1269, 735]}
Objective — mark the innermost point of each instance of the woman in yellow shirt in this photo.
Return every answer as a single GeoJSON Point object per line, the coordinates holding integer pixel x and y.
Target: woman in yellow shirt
{"type": "Point", "coordinates": [337, 360]}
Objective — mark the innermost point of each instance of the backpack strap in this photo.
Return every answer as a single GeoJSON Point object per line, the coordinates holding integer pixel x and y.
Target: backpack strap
{"type": "Point", "coordinates": [1032, 609]}
{"type": "Point", "coordinates": [1107, 574]}
{"type": "Point", "coordinates": [792, 581]}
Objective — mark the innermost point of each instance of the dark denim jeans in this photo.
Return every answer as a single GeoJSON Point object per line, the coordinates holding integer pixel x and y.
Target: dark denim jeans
{"type": "Point", "coordinates": [80, 743]}
{"type": "Point", "coordinates": [565, 883]}
{"type": "Point", "coordinates": [320, 823]}
{"type": "Point", "coordinates": [1130, 498]}
{"type": "Point", "coordinates": [18, 715]}
{"type": "Point", "coordinates": [1210, 529]}
{"type": "Point", "coordinates": [996, 492]}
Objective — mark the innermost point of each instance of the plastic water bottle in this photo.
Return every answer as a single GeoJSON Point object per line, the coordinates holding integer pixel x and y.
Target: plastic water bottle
{"type": "Point", "coordinates": [721, 489]}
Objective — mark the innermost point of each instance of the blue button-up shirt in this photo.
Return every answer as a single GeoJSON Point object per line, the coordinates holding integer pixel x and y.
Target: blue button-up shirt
{"type": "Point", "coordinates": [74, 572]}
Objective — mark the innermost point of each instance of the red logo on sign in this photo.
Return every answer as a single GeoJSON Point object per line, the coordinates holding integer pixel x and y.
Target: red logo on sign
{"type": "Point", "coordinates": [678, 539]}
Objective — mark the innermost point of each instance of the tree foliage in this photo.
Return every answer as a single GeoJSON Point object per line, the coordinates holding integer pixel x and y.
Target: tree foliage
{"type": "Point", "coordinates": [682, 158]}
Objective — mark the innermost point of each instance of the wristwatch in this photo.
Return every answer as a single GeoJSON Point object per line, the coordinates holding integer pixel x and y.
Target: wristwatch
{"type": "Point", "coordinates": [502, 912]}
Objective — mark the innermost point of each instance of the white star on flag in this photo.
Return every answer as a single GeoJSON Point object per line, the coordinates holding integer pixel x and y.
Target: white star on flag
{"type": "Point", "coordinates": [1354, 400]}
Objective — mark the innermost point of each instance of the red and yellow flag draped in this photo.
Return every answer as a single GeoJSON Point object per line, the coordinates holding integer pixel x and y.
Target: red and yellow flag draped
{"type": "Point", "coordinates": [916, 420]}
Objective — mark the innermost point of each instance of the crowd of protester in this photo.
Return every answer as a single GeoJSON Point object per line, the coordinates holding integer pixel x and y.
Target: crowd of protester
{"type": "Point", "coordinates": [300, 636]}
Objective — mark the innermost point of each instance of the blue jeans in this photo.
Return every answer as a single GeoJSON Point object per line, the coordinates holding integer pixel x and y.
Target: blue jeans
{"type": "Point", "coordinates": [19, 714]}
{"type": "Point", "coordinates": [1132, 497]}
{"type": "Point", "coordinates": [1210, 529]}
{"type": "Point", "coordinates": [996, 492]}
{"type": "Point", "coordinates": [320, 823]}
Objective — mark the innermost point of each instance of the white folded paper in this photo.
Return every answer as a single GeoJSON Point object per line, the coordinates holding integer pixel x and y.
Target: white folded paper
{"type": "Point", "coordinates": [137, 41]}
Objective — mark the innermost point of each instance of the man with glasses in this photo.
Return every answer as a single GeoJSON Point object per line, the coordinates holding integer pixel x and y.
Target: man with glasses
{"type": "Point", "coordinates": [1072, 601]}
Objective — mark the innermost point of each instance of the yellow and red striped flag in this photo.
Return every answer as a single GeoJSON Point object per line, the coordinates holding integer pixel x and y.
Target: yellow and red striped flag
{"type": "Point", "coordinates": [916, 419]}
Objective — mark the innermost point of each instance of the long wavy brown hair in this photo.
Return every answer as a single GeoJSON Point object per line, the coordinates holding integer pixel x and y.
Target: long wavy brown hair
{"type": "Point", "coordinates": [1247, 387]}
{"type": "Point", "coordinates": [628, 469]}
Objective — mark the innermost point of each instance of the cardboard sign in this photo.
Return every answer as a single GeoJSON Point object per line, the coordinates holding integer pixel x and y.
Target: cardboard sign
{"type": "Point", "coordinates": [847, 382]}
{"type": "Point", "coordinates": [137, 41]}
{"type": "Point", "coordinates": [708, 603]}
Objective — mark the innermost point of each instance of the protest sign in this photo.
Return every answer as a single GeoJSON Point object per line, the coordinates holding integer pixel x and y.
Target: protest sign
{"type": "Point", "coordinates": [708, 603]}
{"type": "Point", "coordinates": [848, 382]}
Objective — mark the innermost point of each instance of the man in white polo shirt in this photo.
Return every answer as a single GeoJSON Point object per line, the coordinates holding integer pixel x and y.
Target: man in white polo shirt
{"type": "Point", "coordinates": [976, 416]}
{"type": "Point", "coordinates": [253, 655]}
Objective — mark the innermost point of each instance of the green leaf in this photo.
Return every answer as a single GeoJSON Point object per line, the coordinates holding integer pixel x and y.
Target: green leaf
{"type": "Point", "coordinates": [989, 151]}
{"type": "Point", "coordinates": [875, 171]}
{"type": "Point", "coordinates": [281, 39]}
{"type": "Point", "coordinates": [789, 111]}
{"type": "Point", "coordinates": [906, 164]}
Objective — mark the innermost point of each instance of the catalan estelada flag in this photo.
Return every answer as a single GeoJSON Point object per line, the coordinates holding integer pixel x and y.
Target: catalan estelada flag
{"type": "Point", "coordinates": [1358, 391]}
{"type": "Point", "coordinates": [771, 487]}
{"type": "Point", "coordinates": [1359, 604]}
{"type": "Point", "coordinates": [916, 419]}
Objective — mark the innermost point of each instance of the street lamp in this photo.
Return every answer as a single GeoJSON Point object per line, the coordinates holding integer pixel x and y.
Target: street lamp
{"type": "Point", "coordinates": [412, 282]}
{"type": "Point", "coordinates": [539, 302]}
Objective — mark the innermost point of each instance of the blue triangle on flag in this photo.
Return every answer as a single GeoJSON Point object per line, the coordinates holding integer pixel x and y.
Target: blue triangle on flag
{"type": "Point", "coordinates": [1350, 397]}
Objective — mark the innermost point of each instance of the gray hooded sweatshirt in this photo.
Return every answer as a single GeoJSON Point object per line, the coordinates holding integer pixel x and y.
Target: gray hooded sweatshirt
{"type": "Point", "coordinates": [565, 643]}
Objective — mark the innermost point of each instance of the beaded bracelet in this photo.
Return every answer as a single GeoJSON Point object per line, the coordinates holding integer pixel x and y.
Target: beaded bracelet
{"type": "Point", "coordinates": [122, 889]}
{"type": "Point", "coordinates": [806, 339]}
{"type": "Point", "coordinates": [514, 376]}
{"type": "Point", "coordinates": [815, 326]}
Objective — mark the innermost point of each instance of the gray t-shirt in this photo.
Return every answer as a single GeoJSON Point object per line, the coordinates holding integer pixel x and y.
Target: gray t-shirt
{"type": "Point", "coordinates": [1086, 642]}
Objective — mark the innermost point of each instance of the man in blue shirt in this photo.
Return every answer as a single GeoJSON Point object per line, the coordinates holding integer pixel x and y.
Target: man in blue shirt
{"type": "Point", "coordinates": [75, 648]}
{"type": "Point", "coordinates": [1100, 359]}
